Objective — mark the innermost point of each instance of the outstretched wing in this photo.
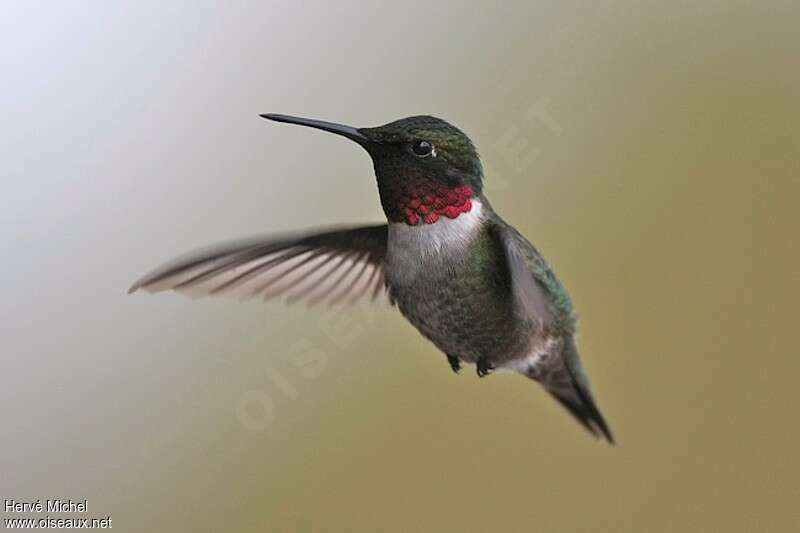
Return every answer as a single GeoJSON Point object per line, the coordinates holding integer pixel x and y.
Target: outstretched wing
{"type": "Point", "coordinates": [336, 266]}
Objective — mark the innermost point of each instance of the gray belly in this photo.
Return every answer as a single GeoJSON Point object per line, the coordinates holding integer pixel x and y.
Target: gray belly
{"type": "Point", "coordinates": [449, 279]}
{"type": "Point", "coordinates": [464, 308]}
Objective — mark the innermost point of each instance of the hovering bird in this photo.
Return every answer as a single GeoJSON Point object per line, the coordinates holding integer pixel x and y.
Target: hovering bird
{"type": "Point", "coordinates": [466, 279]}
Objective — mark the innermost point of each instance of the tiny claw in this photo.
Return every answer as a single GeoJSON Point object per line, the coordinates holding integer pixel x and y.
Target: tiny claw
{"type": "Point", "coordinates": [455, 363]}
{"type": "Point", "coordinates": [483, 367]}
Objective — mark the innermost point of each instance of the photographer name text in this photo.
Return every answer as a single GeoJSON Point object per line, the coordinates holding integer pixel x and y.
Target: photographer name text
{"type": "Point", "coordinates": [50, 506]}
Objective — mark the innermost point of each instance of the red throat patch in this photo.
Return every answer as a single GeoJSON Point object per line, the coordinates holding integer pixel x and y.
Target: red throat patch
{"type": "Point", "coordinates": [425, 200]}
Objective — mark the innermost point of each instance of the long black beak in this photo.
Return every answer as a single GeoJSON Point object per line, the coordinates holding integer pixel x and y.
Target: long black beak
{"type": "Point", "coordinates": [345, 131]}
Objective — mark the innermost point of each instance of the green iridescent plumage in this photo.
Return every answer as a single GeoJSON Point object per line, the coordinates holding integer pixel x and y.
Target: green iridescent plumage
{"type": "Point", "coordinates": [453, 147]}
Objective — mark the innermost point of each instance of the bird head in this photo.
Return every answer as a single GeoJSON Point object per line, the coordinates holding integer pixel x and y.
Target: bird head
{"type": "Point", "coordinates": [426, 168]}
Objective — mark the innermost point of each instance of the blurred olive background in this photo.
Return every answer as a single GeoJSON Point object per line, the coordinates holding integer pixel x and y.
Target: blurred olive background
{"type": "Point", "coordinates": [650, 151]}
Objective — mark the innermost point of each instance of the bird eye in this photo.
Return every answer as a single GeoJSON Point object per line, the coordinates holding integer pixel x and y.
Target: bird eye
{"type": "Point", "coordinates": [423, 149]}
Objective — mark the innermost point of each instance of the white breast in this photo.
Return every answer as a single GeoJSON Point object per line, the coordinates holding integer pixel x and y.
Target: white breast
{"type": "Point", "coordinates": [411, 248]}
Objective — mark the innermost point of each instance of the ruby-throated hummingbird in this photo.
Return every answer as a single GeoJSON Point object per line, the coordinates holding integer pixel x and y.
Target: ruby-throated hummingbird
{"type": "Point", "coordinates": [466, 279]}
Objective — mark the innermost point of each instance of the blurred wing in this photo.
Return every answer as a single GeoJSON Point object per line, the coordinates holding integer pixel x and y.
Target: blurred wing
{"type": "Point", "coordinates": [339, 266]}
{"type": "Point", "coordinates": [531, 297]}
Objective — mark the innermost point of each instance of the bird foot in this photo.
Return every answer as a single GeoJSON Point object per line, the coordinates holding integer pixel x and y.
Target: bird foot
{"type": "Point", "coordinates": [484, 367]}
{"type": "Point", "coordinates": [455, 363]}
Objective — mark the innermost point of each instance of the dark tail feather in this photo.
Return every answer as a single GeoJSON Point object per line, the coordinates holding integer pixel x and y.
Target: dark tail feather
{"type": "Point", "coordinates": [572, 391]}
{"type": "Point", "coordinates": [585, 411]}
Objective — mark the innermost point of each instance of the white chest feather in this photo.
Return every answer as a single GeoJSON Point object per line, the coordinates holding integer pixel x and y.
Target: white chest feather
{"type": "Point", "coordinates": [411, 248]}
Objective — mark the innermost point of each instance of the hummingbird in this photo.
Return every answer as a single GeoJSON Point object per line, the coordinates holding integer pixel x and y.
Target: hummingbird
{"type": "Point", "coordinates": [466, 279]}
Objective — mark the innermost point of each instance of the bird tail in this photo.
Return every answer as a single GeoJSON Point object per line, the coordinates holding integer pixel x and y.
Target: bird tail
{"type": "Point", "coordinates": [575, 396]}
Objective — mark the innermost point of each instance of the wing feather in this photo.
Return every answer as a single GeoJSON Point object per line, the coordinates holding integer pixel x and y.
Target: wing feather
{"type": "Point", "coordinates": [335, 266]}
{"type": "Point", "coordinates": [531, 297]}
